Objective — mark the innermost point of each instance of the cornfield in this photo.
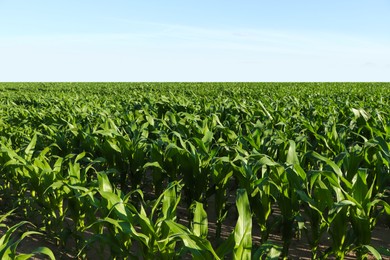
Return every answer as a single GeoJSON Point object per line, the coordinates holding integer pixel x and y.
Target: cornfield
{"type": "Point", "coordinates": [157, 170]}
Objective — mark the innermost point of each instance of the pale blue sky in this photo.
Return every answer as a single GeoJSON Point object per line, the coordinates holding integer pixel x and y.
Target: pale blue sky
{"type": "Point", "coordinates": [118, 40]}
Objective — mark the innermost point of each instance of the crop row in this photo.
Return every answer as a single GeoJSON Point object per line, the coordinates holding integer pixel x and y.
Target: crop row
{"type": "Point", "coordinates": [113, 164]}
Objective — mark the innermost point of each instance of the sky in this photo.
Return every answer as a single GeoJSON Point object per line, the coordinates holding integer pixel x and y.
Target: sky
{"type": "Point", "coordinates": [214, 40]}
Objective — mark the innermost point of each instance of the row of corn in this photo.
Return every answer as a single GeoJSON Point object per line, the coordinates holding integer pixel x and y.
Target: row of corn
{"type": "Point", "coordinates": [154, 170]}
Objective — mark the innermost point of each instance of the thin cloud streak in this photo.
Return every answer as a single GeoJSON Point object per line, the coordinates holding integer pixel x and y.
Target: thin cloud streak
{"type": "Point", "coordinates": [164, 52]}
{"type": "Point", "coordinates": [188, 38]}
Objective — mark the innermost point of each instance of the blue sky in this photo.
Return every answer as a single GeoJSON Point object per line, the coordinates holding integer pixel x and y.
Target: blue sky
{"type": "Point", "coordinates": [281, 40]}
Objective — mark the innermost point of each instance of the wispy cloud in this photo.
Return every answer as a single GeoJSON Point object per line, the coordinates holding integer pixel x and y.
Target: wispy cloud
{"type": "Point", "coordinates": [153, 51]}
{"type": "Point", "coordinates": [241, 39]}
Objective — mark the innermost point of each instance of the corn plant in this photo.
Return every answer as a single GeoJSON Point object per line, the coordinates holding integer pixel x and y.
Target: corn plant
{"type": "Point", "coordinates": [10, 240]}
{"type": "Point", "coordinates": [113, 163]}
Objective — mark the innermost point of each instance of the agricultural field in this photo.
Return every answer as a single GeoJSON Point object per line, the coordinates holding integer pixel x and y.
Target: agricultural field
{"type": "Point", "coordinates": [195, 170]}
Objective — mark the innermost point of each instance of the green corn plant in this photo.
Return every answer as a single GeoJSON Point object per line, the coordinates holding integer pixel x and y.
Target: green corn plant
{"type": "Point", "coordinates": [10, 240]}
{"type": "Point", "coordinates": [160, 233]}
{"type": "Point", "coordinates": [155, 166]}
{"type": "Point", "coordinates": [171, 232]}
{"type": "Point", "coordinates": [258, 186]}
{"type": "Point", "coordinates": [339, 229]}
{"type": "Point", "coordinates": [376, 153]}
{"type": "Point", "coordinates": [362, 214]}
{"type": "Point", "coordinates": [80, 205]}
{"type": "Point", "coordinates": [213, 137]}
{"type": "Point", "coordinates": [193, 166]}
{"type": "Point", "coordinates": [317, 201]}
{"type": "Point", "coordinates": [222, 173]}
{"type": "Point", "coordinates": [291, 180]}
{"type": "Point", "coordinates": [286, 179]}
{"type": "Point", "coordinates": [356, 204]}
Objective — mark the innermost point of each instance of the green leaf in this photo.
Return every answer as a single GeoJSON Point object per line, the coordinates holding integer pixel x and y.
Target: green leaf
{"type": "Point", "coordinates": [374, 252]}
{"type": "Point", "coordinates": [30, 148]}
{"type": "Point", "coordinates": [360, 188]}
{"type": "Point", "coordinates": [153, 165]}
{"type": "Point", "coordinates": [24, 256]}
{"type": "Point", "coordinates": [268, 251]}
{"type": "Point", "coordinates": [150, 120]}
{"type": "Point", "coordinates": [79, 157]}
{"type": "Point", "coordinates": [334, 166]}
{"type": "Point", "coordinates": [198, 247]}
{"type": "Point", "coordinates": [114, 201]}
{"type": "Point", "coordinates": [208, 137]}
{"type": "Point", "coordinates": [243, 229]}
{"type": "Point", "coordinates": [114, 146]}
{"type": "Point", "coordinates": [200, 224]}
{"type": "Point", "coordinates": [170, 201]}
{"type": "Point", "coordinates": [292, 157]}
{"type": "Point", "coordinates": [40, 250]}
{"type": "Point", "coordinates": [104, 182]}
